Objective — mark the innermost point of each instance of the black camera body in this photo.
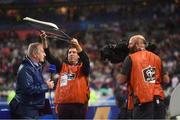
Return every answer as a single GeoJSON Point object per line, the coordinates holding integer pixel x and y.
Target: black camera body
{"type": "Point", "coordinates": [117, 53]}
{"type": "Point", "coordinates": [114, 53]}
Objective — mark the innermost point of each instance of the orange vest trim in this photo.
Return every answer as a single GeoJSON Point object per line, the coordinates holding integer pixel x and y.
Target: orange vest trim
{"type": "Point", "coordinates": [72, 85]}
{"type": "Point", "coordinates": [145, 77]}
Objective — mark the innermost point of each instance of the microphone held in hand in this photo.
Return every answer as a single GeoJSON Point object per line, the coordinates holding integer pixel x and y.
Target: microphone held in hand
{"type": "Point", "coordinates": [52, 70]}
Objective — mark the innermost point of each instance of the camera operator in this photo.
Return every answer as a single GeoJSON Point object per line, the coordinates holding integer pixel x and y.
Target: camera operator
{"type": "Point", "coordinates": [143, 72]}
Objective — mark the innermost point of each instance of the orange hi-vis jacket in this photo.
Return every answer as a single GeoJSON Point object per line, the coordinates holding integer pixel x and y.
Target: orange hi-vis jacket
{"type": "Point", "coordinates": [72, 86]}
{"type": "Point", "coordinates": [145, 78]}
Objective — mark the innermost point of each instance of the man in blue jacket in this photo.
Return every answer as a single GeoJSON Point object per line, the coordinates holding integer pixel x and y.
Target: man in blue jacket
{"type": "Point", "coordinates": [30, 86]}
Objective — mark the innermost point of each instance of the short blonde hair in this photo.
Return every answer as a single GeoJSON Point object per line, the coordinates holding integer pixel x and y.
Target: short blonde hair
{"type": "Point", "coordinates": [138, 37]}
{"type": "Point", "coordinates": [33, 48]}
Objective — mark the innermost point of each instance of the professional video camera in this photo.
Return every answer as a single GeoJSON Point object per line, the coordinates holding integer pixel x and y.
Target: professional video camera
{"type": "Point", "coordinates": [117, 53]}
{"type": "Point", "coordinates": [114, 53]}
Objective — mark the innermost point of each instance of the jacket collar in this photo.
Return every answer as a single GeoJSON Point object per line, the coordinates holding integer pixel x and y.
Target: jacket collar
{"type": "Point", "coordinates": [32, 63]}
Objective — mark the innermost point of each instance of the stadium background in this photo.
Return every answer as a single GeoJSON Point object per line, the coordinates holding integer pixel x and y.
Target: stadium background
{"type": "Point", "coordinates": [94, 23]}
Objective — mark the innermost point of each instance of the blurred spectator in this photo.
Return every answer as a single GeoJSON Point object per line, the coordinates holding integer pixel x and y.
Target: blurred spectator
{"type": "Point", "coordinates": [98, 24]}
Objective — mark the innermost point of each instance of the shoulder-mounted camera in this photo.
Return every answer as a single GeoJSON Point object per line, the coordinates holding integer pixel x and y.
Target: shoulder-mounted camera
{"type": "Point", "coordinates": [117, 53]}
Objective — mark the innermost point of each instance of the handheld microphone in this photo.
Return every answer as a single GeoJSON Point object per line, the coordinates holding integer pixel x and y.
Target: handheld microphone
{"type": "Point", "coordinates": [52, 70]}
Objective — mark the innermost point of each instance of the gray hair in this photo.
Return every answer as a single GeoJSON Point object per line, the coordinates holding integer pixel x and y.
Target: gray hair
{"type": "Point", "coordinates": [33, 49]}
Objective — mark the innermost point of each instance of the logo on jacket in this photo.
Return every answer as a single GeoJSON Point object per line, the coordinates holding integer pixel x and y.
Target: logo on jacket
{"type": "Point", "coordinates": [149, 74]}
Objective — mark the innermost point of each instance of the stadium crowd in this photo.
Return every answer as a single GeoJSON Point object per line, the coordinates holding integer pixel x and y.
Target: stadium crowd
{"type": "Point", "coordinates": [99, 25]}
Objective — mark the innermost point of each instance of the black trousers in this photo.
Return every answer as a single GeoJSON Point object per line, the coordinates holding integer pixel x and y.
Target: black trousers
{"type": "Point", "coordinates": [150, 110]}
{"type": "Point", "coordinates": [72, 111]}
